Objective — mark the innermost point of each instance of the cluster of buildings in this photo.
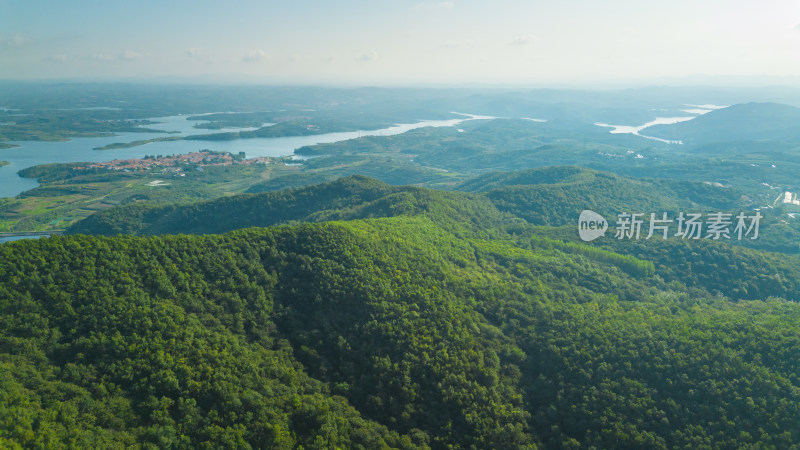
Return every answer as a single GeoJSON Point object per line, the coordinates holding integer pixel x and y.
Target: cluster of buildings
{"type": "Point", "coordinates": [790, 198]}
{"type": "Point", "coordinates": [615, 155]}
{"type": "Point", "coordinates": [176, 163]}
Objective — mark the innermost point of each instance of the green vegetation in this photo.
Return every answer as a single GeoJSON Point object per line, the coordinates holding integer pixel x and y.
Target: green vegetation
{"type": "Point", "coordinates": [237, 120]}
{"type": "Point", "coordinates": [278, 130]}
{"type": "Point", "coordinates": [556, 195]}
{"type": "Point", "coordinates": [340, 118]}
{"type": "Point", "coordinates": [388, 168]}
{"type": "Point", "coordinates": [361, 314]}
{"type": "Point", "coordinates": [406, 331]}
{"type": "Point", "coordinates": [57, 112]}
{"type": "Point", "coordinates": [345, 199]}
{"type": "Point", "coordinates": [118, 145]}
{"type": "Point", "coordinates": [629, 264]}
{"type": "Point", "coordinates": [758, 170]}
{"type": "Point", "coordinates": [711, 266]}
{"type": "Point", "coordinates": [59, 125]}
{"type": "Point", "coordinates": [70, 192]}
{"type": "Point", "coordinates": [751, 121]}
{"type": "Point", "coordinates": [552, 196]}
{"type": "Point", "coordinates": [486, 145]}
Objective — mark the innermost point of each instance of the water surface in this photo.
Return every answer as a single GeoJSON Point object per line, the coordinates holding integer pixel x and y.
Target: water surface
{"type": "Point", "coordinates": [32, 153]}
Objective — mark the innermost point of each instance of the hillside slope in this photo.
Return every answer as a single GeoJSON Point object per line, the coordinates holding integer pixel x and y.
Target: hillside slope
{"type": "Point", "coordinates": [389, 332]}
{"type": "Point", "coordinates": [749, 121]}
{"type": "Point", "coordinates": [555, 196]}
{"type": "Point", "coordinates": [347, 198]}
{"type": "Point", "coordinates": [543, 196]}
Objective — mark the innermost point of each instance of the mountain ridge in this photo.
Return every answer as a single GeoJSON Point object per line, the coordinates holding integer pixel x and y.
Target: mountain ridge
{"type": "Point", "coordinates": [745, 121]}
{"type": "Point", "coordinates": [387, 332]}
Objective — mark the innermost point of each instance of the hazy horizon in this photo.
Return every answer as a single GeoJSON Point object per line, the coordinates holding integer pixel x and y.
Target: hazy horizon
{"type": "Point", "coordinates": [432, 43]}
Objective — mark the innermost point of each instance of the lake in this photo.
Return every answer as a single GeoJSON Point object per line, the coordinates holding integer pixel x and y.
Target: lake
{"type": "Point", "coordinates": [697, 110]}
{"type": "Point", "coordinates": [32, 153]}
{"type": "Point", "coordinates": [627, 129]}
{"type": "Point", "coordinates": [17, 238]}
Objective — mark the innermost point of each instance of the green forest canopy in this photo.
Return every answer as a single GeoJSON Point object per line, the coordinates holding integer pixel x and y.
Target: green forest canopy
{"type": "Point", "coordinates": [444, 323]}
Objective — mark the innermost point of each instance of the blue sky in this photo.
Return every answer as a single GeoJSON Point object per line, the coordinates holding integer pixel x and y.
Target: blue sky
{"type": "Point", "coordinates": [399, 42]}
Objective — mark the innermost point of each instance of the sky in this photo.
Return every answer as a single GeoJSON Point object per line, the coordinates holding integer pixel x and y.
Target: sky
{"type": "Point", "coordinates": [526, 42]}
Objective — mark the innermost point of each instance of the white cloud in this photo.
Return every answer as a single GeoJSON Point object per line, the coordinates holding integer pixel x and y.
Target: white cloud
{"type": "Point", "coordinates": [60, 58]}
{"type": "Point", "coordinates": [367, 57]}
{"type": "Point", "coordinates": [127, 55]}
{"type": "Point", "coordinates": [194, 52]}
{"type": "Point", "coordinates": [15, 40]}
{"type": "Point", "coordinates": [131, 55]}
{"type": "Point", "coordinates": [255, 55]}
{"type": "Point", "coordinates": [522, 40]}
{"type": "Point", "coordinates": [439, 6]}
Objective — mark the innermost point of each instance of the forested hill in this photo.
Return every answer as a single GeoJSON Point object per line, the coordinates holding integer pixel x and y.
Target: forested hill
{"type": "Point", "coordinates": [550, 196]}
{"type": "Point", "coordinates": [348, 198]}
{"type": "Point", "coordinates": [749, 121]}
{"type": "Point", "coordinates": [392, 332]}
{"type": "Point", "coordinates": [543, 196]}
{"type": "Point", "coordinates": [556, 195]}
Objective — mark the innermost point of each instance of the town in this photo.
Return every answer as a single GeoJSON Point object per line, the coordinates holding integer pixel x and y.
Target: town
{"type": "Point", "coordinates": [178, 163]}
